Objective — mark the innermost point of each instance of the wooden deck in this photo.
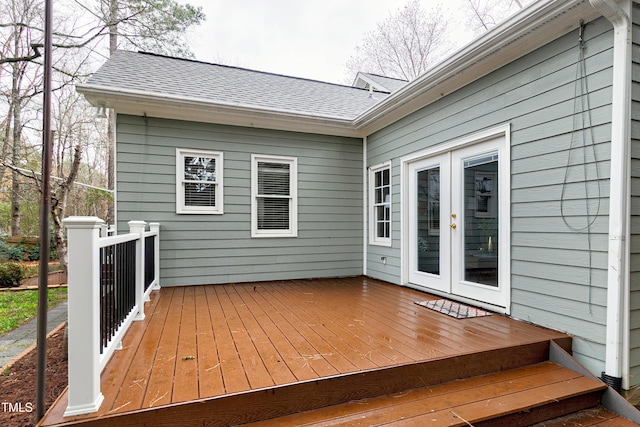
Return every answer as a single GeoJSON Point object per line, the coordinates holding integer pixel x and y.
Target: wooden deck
{"type": "Point", "coordinates": [298, 342]}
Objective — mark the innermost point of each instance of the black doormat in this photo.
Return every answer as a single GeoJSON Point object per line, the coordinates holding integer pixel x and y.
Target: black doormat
{"type": "Point", "coordinates": [453, 309]}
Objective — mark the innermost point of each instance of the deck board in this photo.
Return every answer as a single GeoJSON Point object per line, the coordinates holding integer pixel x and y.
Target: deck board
{"type": "Point", "coordinates": [137, 376]}
{"type": "Point", "coordinates": [284, 351]}
{"type": "Point", "coordinates": [230, 364]}
{"type": "Point", "coordinates": [205, 341]}
{"type": "Point", "coordinates": [185, 386]}
{"type": "Point", "coordinates": [371, 343]}
{"type": "Point", "coordinates": [160, 388]}
{"type": "Point", "coordinates": [301, 360]}
{"type": "Point", "coordinates": [312, 331]}
{"type": "Point", "coordinates": [265, 348]}
{"type": "Point", "coordinates": [348, 343]}
{"type": "Point", "coordinates": [252, 363]}
{"type": "Point", "coordinates": [209, 373]}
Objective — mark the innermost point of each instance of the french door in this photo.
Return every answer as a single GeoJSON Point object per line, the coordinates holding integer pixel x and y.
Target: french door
{"type": "Point", "coordinates": [458, 225]}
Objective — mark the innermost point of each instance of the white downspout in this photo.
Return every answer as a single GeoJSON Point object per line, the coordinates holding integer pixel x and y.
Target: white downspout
{"type": "Point", "coordinates": [365, 193]}
{"type": "Point", "coordinates": [619, 14]}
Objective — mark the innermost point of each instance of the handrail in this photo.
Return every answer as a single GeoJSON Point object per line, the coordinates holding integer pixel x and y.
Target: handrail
{"type": "Point", "coordinates": [114, 240]}
{"type": "Point", "coordinates": [108, 285]}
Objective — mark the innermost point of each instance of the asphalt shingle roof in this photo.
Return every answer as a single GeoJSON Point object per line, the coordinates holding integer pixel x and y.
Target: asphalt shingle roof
{"type": "Point", "coordinates": [162, 75]}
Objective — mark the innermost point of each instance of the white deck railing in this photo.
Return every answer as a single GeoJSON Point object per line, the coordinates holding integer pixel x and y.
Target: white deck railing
{"type": "Point", "coordinates": [110, 278]}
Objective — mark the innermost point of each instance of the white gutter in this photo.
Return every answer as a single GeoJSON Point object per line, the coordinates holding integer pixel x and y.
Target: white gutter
{"type": "Point", "coordinates": [619, 14]}
{"type": "Point", "coordinates": [89, 89]}
{"type": "Point", "coordinates": [137, 102]}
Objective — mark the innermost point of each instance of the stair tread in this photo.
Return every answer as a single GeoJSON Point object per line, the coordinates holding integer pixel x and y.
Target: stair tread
{"type": "Point", "coordinates": [597, 417]}
{"type": "Point", "coordinates": [456, 402]}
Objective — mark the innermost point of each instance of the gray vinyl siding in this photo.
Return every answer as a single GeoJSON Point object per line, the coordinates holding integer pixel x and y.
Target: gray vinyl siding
{"type": "Point", "coordinates": [635, 205]}
{"type": "Point", "coordinates": [555, 280]}
{"type": "Point", "coordinates": [211, 249]}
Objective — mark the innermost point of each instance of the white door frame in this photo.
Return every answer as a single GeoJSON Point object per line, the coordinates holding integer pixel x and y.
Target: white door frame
{"type": "Point", "coordinates": [502, 131]}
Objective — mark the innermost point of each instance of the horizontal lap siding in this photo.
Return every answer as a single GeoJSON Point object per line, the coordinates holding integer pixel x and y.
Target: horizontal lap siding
{"type": "Point", "coordinates": [635, 204]}
{"type": "Point", "coordinates": [210, 249]}
{"type": "Point", "coordinates": [556, 280]}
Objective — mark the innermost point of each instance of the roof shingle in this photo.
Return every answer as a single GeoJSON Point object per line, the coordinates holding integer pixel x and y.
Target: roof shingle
{"type": "Point", "coordinates": [162, 75]}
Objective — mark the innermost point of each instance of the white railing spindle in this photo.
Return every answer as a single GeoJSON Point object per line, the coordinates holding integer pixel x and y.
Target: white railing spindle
{"type": "Point", "coordinates": [154, 227]}
{"type": "Point", "coordinates": [139, 228]}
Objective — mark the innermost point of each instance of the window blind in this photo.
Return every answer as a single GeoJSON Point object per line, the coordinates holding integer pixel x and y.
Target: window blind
{"type": "Point", "coordinates": [199, 181]}
{"type": "Point", "coordinates": [274, 196]}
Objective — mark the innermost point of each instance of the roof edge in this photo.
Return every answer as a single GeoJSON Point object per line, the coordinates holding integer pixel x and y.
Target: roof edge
{"type": "Point", "coordinates": [128, 101]}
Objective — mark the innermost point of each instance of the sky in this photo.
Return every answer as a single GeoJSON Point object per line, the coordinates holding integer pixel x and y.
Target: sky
{"type": "Point", "coordinates": [301, 38]}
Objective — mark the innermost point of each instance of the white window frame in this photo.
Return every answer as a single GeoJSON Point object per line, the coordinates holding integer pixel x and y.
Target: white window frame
{"type": "Point", "coordinates": [374, 239]}
{"type": "Point", "coordinates": [292, 231]}
{"type": "Point", "coordinates": [181, 208]}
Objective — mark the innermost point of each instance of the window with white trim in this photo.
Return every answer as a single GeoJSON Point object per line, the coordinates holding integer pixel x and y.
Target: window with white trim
{"type": "Point", "coordinates": [199, 187]}
{"type": "Point", "coordinates": [274, 198]}
{"type": "Point", "coordinates": [380, 204]}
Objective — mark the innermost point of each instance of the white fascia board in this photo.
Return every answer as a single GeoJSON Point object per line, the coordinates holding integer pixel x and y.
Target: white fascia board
{"type": "Point", "coordinates": [524, 32]}
{"type": "Point", "coordinates": [126, 101]}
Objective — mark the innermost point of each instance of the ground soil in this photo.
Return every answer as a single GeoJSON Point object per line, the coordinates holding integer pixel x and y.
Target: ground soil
{"type": "Point", "coordinates": [18, 385]}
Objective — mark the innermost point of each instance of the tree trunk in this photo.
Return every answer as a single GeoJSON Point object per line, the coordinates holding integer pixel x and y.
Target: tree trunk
{"type": "Point", "coordinates": [111, 139]}
{"type": "Point", "coordinates": [16, 118]}
{"type": "Point", "coordinates": [59, 207]}
{"type": "Point", "coordinates": [111, 115]}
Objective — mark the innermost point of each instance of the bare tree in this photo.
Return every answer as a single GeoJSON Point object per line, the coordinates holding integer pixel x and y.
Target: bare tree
{"type": "Point", "coordinates": [407, 43]}
{"type": "Point", "coordinates": [152, 25]}
{"type": "Point", "coordinates": [17, 40]}
{"type": "Point", "coordinates": [75, 134]}
{"type": "Point", "coordinates": [482, 15]}
{"type": "Point", "coordinates": [404, 45]}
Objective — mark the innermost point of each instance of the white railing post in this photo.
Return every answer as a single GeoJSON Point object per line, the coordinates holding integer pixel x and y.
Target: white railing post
{"type": "Point", "coordinates": [139, 227]}
{"type": "Point", "coordinates": [84, 315]}
{"type": "Point", "coordinates": [154, 227]}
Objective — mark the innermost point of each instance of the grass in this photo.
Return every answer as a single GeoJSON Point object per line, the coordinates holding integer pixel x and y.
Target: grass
{"type": "Point", "coordinates": [17, 307]}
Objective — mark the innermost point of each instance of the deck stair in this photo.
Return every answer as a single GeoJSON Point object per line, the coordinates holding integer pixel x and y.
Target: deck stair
{"type": "Point", "coordinates": [541, 394]}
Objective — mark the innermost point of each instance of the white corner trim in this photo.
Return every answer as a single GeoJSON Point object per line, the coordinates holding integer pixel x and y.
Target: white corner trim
{"type": "Point", "coordinates": [365, 206]}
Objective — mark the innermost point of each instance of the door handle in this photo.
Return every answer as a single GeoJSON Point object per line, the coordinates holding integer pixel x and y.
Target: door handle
{"type": "Point", "coordinates": [452, 226]}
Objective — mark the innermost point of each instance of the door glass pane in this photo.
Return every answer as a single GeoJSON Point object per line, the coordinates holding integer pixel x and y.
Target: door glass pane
{"type": "Point", "coordinates": [428, 217]}
{"type": "Point", "coordinates": [481, 219]}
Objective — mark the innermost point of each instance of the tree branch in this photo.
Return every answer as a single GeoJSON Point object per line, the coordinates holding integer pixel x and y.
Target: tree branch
{"type": "Point", "coordinates": [36, 54]}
